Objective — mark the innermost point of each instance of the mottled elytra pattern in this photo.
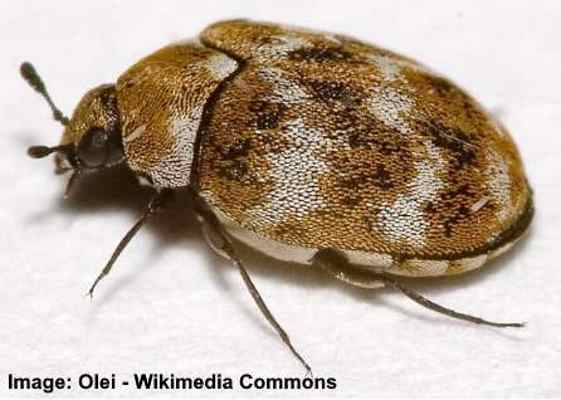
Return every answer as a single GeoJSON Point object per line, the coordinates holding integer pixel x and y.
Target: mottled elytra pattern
{"type": "Point", "coordinates": [322, 141]}
{"type": "Point", "coordinates": [302, 140]}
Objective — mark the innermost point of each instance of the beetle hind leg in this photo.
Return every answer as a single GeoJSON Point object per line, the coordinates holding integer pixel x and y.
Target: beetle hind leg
{"type": "Point", "coordinates": [337, 265]}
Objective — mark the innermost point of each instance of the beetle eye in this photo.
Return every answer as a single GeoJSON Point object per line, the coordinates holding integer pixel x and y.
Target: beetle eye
{"type": "Point", "coordinates": [93, 150]}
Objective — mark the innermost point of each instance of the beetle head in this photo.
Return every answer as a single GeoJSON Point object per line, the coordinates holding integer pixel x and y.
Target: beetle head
{"type": "Point", "coordinates": [93, 134]}
{"type": "Point", "coordinates": [92, 137]}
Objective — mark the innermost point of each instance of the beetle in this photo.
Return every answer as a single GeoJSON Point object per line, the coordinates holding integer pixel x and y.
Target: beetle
{"type": "Point", "coordinates": [311, 147]}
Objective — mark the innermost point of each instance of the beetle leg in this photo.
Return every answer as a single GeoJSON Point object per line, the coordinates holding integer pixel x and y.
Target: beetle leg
{"type": "Point", "coordinates": [213, 240]}
{"type": "Point", "coordinates": [221, 242]}
{"type": "Point", "coordinates": [153, 207]}
{"type": "Point", "coordinates": [336, 264]}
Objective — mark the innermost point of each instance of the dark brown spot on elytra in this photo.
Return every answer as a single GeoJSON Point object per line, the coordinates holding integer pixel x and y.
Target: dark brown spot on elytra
{"type": "Point", "coordinates": [268, 115]}
{"type": "Point", "coordinates": [351, 201]}
{"type": "Point", "coordinates": [346, 119]}
{"type": "Point", "coordinates": [382, 143]}
{"type": "Point", "coordinates": [461, 213]}
{"type": "Point", "coordinates": [235, 170]}
{"type": "Point", "coordinates": [325, 90]}
{"type": "Point", "coordinates": [463, 190]}
{"type": "Point", "coordinates": [430, 208]}
{"type": "Point", "coordinates": [453, 139]}
{"type": "Point", "coordinates": [382, 177]}
{"type": "Point", "coordinates": [238, 149]}
{"type": "Point", "coordinates": [319, 54]}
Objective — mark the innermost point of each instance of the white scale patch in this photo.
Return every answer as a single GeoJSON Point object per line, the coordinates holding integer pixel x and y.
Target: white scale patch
{"type": "Point", "coordinates": [499, 185]}
{"type": "Point", "coordinates": [296, 173]}
{"type": "Point", "coordinates": [176, 166]}
{"type": "Point", "coordinates": [138, 132]}
{"type": "Point", "coordinates": [417, 267]}
{"type": "Point", "coordinates": [280, 46]}
{"type": "Point", "coordinates": [285, 90]}
{"type": "Point", "coordinates": [220, 66]}
{"type": "Point", "coordinates": [379, 262]}
{"type": "Point", "coordinates": [392, 107]}
{"type": "Point", "coordinates": [404, 220]}
{"type": "Point", "coordinates": [296, 170]}
{"type": "Point", "coordinates": [472, 263]}
{"type": "Point", "coordinates": [389, 69]}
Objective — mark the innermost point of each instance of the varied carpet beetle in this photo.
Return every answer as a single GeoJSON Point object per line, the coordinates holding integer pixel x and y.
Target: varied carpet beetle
{"type": "Point", "coordinates": [310, 147]}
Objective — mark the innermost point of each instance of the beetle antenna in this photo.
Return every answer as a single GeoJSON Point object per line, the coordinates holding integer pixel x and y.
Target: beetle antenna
{"type": "Point", "coordinates": [29, 73]}
{"type": "Point", "coordinates": [44, 151]}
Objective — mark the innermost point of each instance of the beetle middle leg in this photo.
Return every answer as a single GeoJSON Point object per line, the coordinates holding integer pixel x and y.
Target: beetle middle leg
{"type": "Point", "coordinates": [337, 265]}
{"type": "Point", "coordinates": [220, 241]}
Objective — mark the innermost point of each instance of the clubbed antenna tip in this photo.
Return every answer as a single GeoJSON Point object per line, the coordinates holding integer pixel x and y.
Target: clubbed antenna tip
{"type": "Point", "coordinates": [39, 151]}
{"type": "Point", "coordinates": [29, 73]}
{"type": "Point", "coordinates": [44, 151]}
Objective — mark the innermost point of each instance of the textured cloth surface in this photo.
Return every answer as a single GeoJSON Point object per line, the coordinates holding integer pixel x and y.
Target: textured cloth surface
{"type": "Point", "coordinates": [171, 306]}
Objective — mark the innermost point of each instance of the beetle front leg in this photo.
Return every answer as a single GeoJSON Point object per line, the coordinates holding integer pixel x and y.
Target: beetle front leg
{"type": "Point", "coordinates": [336, 264]}
{"type": "Point", "coordinates": [153, 207]}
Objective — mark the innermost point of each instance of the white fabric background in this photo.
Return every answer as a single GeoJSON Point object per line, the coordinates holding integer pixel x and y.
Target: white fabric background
{"type": "Point", "coordinates": [170, 305]}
